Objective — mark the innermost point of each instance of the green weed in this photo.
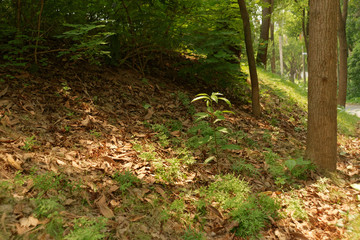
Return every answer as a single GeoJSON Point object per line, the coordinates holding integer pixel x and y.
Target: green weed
{"type": "Point", "coordinates": [88, 229]}
{"type": "Point", "coordinates": [126, 180]}
{"type": "Point", "coordinates": [29, 143]}
{"type": "Point", "coordinates": [47, 207]}
{"type": "Point", "coordinates": [296, 208]}
{"type": "Point", "coordinates": [240, 166]}
{"type": "Point", "coordinates": [95, 133]}
{"type": "Point", "coordinates": [228, 191]}
{"type": "Point", "coordinates": [192, 234]}
{"type": "Point", "coordinates": [186, 102]}
{"type": "Point", "coordinates": [55, 227]}
{"type": "Point", "coordinates": [299, 168]}
{"type": "Point", "coordinates": [253, 215]}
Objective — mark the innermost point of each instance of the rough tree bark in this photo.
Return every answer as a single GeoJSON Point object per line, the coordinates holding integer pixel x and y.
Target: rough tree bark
{"type": "Point", "coordinates": [343, 54]}
{"type": "Point", "coordinates": [255, 97]}
{"type": "Point", "coordinates": [321, 143]}
{"type": "Point", "coordinates": [264, 32]}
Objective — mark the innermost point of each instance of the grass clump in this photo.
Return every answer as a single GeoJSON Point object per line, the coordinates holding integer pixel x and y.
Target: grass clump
{"type": "Point", "coordinates": [88, 229]}
{"type": "Point", "coordinates": [253, 215]}
{"type": "Point", "coordinates": [192, 234]}
{"type": "Point", "coordinates": [126, 180]}
{"type": "Point", "coordinates": [228, 190]}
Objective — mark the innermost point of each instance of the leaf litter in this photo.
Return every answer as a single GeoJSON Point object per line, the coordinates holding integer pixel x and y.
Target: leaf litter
{"type": "Point", "coordinates": [89, 131]}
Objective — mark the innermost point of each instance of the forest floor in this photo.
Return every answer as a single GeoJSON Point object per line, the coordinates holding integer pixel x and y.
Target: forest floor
{"type": "Point", "coordinates": [103, 153]}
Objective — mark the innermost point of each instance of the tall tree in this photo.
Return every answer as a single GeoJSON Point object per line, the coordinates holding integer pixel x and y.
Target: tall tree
{"type": "Point", "coordinates": [343, 53]}
{"type": "Point", "coordinates": [255, 97]}
{"type": "Point", "coordinates": [264, 32]}
{"type": "Point", "coordinates": [321, 143]}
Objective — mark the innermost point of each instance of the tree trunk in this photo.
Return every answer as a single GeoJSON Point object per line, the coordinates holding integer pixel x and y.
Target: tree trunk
{"type": "Point", "coordinates": [18, 16]}
{"type": "Point", "coordinates": [251, 59]}
{"type": "Point", "coordinates": [281, 55]}
{"type": "Point", "coordinates": [273, 61]}
{"type": "Point", "coordinates": [343, 54]}
{"type": "Point", "coordinates": [264, 33]}
{"type": "Point", "coordinates": [38, 31]}
{"type": "Point", "coordinates": [321, 143]}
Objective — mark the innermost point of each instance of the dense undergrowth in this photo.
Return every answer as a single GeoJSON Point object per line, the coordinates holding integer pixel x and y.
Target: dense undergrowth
{"type": "Point", "coordinates": [95, 153]}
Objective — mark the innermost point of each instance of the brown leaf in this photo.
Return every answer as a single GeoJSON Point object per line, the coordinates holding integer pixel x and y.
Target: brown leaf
{"type": "Point", "coordinates": [104, 209]}
{"type": "Point", "coordinates": [28, 222]}
{"type": "Point", "coordinates": [176, 133]}
{"type": "Point", "coordinates": [149, 113]}
{"type": "Point", "coordinates": [12, 162]}
{"type": "Point", "coordinates": [3, 92]}
{"type": "Point", "coordinates": [161, 192]}
{"type": "Point", "coordinates": [137, 218]}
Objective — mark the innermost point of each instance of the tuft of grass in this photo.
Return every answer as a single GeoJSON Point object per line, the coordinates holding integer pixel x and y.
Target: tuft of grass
{"type": "Point", "coordinates": [88, 229]}
{"type": "Point", "coordinates": [126, 180]}
{"type": "Point", "coordinates": [192, 234]}
{"type": "Point", "coordinates": [228, 190]}
{"type": "Point", "coordinates": [253, 215]}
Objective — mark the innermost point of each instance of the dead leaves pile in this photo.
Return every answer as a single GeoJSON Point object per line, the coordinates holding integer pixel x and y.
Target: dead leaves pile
{"type": "Point", "coordinates": [86, 132]}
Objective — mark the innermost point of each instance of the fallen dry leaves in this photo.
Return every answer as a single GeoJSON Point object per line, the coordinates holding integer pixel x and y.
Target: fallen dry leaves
{"type": "Point", "coordinates": [87, 133]}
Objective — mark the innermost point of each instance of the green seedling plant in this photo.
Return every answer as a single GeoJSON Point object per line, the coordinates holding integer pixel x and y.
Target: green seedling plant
{"type": "Point", "coordinates": [214, 134]}
{"type": "Point", "coordinates": [29, 143]}
{"type": "Point", "coordinates": [299, 168]}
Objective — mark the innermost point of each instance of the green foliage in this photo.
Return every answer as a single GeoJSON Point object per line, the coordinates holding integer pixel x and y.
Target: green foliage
{"type": "Point", "coordinates": [186, 102]}
{"type": "Point", "coordinates": [52, 181]}
{"type": "Point", "coordinates": [88, 229]}
{"type": "Point", "coordinates": [347, 122]}
{"type": "Point", "coordinates": [126, 180]}
{"type": "Point", "coordinates": [206, 133]}
{"type": "Point", "coordinates": [227, 190]}
{"type": "Point", "coordinates": [286, 172]}
{"type": "Point", "coordinates": [253, 215]}
{"type": "Point", "coordinates": [94, 133]}
{"type": "Point", "coordinates": [192, 234]}
{"type": "Point", "coordinates": [89, 41]}
{"type": "Point", "coordinates": [55, 227]}
{"type": "Point", "coordinates": [299, 168]}
{"type": "Point", "coordinates": [240, 166]}
{"type": "Point", "coordinates": [29, 143]}
{"type": "Point", "coordinates": [354, 72]}
{"type": "Point", "coordinates": [296, 208]}
{"type": "Point", "coordinates": [47, 207]}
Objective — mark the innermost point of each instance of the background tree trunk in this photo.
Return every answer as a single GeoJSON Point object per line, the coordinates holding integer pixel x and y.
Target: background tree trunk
{"type": "Point", "coordinates": [251, 59]}
{"type": "Point", "coordinates": [343, 54]}
{"type": "Point", "coordinates": [321, 144]}
{"type": "Point", "coordinates": [273, 59]}
{"type": "Point", "coordinates": [264, 33]}
{"type": "Point", "coordinates": [281, 55]}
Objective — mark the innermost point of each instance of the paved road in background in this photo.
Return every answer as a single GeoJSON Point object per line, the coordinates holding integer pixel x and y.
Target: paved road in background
{"type": "Point", "coordinates": [353, 109]}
